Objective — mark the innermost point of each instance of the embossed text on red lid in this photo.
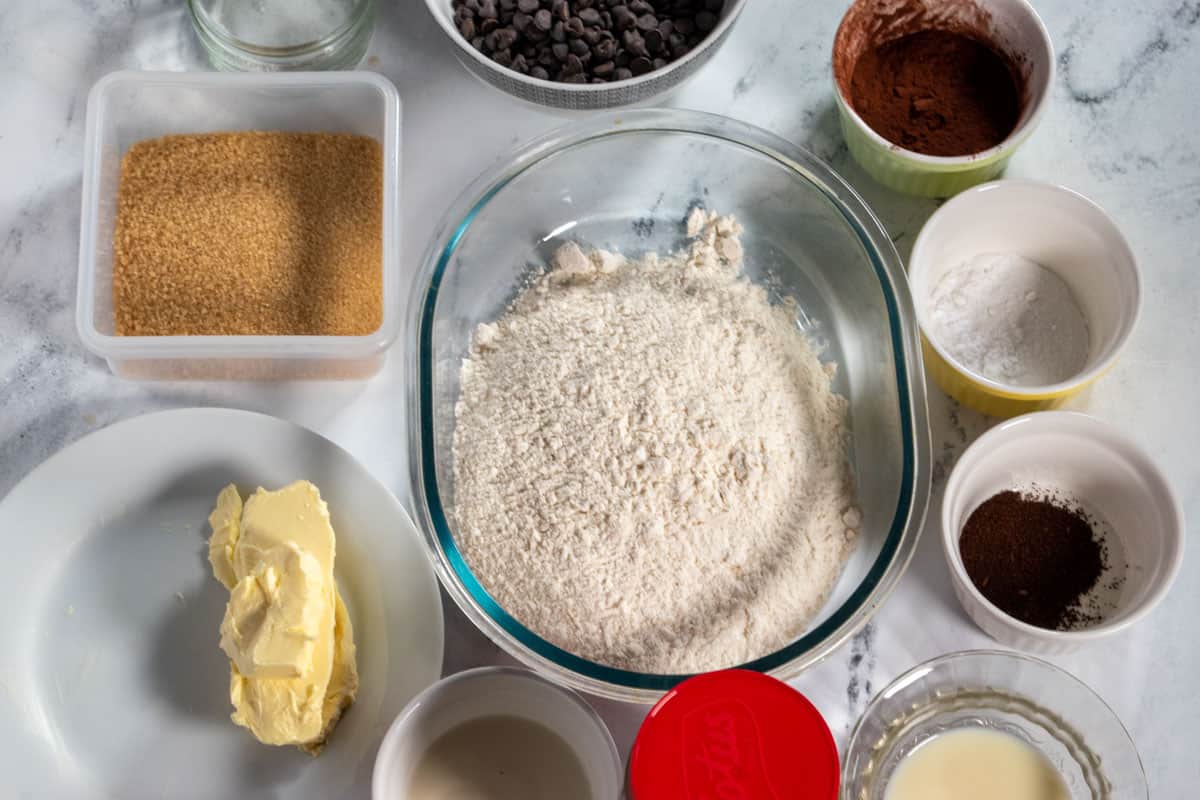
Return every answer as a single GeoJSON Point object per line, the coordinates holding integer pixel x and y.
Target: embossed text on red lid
{"type": "Point", "coordinates": [734, 735]}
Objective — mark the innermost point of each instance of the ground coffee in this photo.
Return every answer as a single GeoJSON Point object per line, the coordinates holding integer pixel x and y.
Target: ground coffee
{"type": "Point", "coordinates": [937, 92]}
{"type": "Point", "coordinates": [1033, 557]}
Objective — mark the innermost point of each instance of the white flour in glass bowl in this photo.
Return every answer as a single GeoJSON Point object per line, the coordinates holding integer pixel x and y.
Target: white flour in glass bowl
{"type": "Point", "coordinates": [649, 460]}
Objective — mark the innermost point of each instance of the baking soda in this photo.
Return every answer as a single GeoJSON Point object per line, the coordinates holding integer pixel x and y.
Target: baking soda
{"type": "Point", "coordinates": [1010, 320]}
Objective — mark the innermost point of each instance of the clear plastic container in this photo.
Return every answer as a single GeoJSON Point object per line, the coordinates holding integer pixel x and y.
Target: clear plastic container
{"type": "Point", "coordinates": [127, 107]}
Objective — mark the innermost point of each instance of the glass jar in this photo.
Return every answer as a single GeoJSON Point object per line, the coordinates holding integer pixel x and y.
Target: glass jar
{"type": "Point", "coordinates": [272, 35]}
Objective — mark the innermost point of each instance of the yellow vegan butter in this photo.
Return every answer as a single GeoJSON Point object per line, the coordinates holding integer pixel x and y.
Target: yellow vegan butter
{"type": "Point", "coordinates": [286, 630]}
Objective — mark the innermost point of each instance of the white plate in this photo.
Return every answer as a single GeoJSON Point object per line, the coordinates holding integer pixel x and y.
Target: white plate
{"type": "Point", "coordinates": [111, 681]}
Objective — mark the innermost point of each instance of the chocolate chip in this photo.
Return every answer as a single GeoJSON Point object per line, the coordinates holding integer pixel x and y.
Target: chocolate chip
{"type": "Point", "coordinates": [583, 41]}
{"type": "Point", "coordinates": [506, 38]}
{"type": "Point", "coordinates": [623, 18]}
{"type": "Point", "coordinates": [634, 43]}
{"type": "Point", "coordinates": [654, 41]}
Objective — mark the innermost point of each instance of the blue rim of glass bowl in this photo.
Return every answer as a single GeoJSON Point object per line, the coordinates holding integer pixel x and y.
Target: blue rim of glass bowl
{"type": "Point", "coordinates": [428, 466]}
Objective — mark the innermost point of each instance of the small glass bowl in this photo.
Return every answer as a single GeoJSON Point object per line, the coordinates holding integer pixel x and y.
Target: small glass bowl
{"type": "Point", "coordinates": [625, 181]}
{"type": "Point", "coordinates": [275, 35]}
{"type": "Point", "coordinates": [1037, 702]}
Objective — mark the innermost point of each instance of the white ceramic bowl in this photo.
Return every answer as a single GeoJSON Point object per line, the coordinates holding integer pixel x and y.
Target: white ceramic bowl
{"type": "Point", "coordinates": [1110, 476]}
{"type": "Point", "coordinates": [491, 691]}
{"type": "Point", "coordinates": [1061, 230]}
{"type": "Point", "coordinates": [585, 96]}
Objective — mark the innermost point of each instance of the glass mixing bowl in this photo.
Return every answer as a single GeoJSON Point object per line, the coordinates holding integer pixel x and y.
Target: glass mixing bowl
{"type": "Point", "coordinates": [625, 182]}
{"type": "Point", "coordinates": [1011, 693]}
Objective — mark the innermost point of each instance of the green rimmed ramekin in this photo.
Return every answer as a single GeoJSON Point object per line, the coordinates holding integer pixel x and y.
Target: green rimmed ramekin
{"type": "Point", "coordinates": [1012, 25]}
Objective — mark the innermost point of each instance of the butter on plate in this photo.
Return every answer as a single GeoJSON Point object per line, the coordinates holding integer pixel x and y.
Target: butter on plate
{"type": "Point", "coordinates": [286, 630]}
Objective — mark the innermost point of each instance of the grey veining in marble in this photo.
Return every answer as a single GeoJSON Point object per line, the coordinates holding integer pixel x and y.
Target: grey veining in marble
{"type": "Point", "coordinates": [1122, 129]}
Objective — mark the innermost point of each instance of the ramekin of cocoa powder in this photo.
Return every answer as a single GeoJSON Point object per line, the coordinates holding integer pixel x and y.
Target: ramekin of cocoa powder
{"type": "Point", "coordinates": [935, 96]}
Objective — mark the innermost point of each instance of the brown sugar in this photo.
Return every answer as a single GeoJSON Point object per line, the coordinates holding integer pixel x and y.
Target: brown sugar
{"type": "Point", "coordinates": [255, 233]}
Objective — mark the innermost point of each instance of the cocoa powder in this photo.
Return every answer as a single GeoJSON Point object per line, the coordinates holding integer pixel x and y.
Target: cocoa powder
{"type": "Point", "coordinates": [937, 92]}
{"type": "Point", "coordinates": [1034, 557]}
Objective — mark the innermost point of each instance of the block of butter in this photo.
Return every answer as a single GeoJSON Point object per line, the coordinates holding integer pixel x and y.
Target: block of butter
{"type": "Point", "coordinates": [286, 630]}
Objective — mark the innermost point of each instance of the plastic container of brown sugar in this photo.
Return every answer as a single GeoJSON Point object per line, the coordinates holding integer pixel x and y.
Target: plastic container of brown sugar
{"type": "Point", "coordinates": [128, 107]}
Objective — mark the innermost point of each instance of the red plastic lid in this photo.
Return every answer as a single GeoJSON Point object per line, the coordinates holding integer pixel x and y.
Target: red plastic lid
{"type": "Point", "coordinates": [732, 735]}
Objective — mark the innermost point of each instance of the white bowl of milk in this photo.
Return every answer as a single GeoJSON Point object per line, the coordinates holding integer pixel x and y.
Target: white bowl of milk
{"type": "Point", "coordinates": [497, 733]}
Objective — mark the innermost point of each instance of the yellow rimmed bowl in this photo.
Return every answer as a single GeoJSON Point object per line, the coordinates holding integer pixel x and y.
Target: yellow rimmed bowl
{"type": "Point", "coordinates": [1011, 26]}
{"type": "Point", "coordinates": [1059, 229]}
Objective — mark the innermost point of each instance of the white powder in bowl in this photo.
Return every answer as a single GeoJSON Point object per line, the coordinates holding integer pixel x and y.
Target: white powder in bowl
{"type": "Point", "coordinates": [1009, 319]}
{"type": "Point", "coordinates": [649, 460]}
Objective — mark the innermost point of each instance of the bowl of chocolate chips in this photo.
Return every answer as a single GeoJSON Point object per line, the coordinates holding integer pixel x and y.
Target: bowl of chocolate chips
{"type": "Point", "coordinates": [585, 54]}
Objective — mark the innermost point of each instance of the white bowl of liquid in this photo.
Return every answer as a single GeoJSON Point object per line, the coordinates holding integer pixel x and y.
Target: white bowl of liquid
{"type": "Point", "coordinates": [497, 733]}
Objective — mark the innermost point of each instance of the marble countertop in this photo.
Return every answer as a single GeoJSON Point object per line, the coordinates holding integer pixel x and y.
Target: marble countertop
{"type": "Point", "coordinates": [1121, 128]}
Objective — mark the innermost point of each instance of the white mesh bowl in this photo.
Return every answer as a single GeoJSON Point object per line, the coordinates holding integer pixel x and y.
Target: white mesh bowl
{"type": "Point", "coordinates": [584, 96]}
